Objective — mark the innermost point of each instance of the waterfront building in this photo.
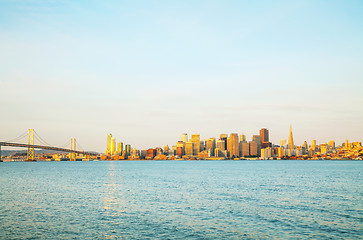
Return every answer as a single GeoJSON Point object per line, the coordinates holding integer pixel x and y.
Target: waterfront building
{"type": "Point", "coordinates": [281, 152]}
{"type": "Point", "coordinates": [113, 146]}
{"type": "Point", "coordinates": [120, 148]}
{"type": "Point", "coordinates": [332, 144]}
{"type": "Point", "coordinates": [257, 139]}
{"type": "Point", "coordinates": [253, 148]}
{"type": "Point", "coordinates": [143, 154]}
{"type": "Point", "coordinates": [305, 145]}
{"type": "Point", "coordinates": [108, 146]}
{"type": "Point", "coordinates": [266, 153]}
{"type": "Point", "coordinates": [324, 148]}
{"type": "Point", "coordinates": [196, 143]}
{"type": "Point", "coordinates": [290, 152]}
{"type": "Point", "coordinates": [180, 148]}
{"type": "Point", "coordinates": [184, 137]}
{"type": "Point", "coordinates": [209, 145]}
{"type": "Point", "coordinates": [283, 142]}
{"type": "Point", "coordinates": [313, 144]}
{"type": "Point", "coordinates": [128, 149]}
{"type": "Point", "coordinates": [189, 148]}
{"type": "Point", "coordinates": [291, 140]}
{"type": "Point", "coordinates": [166, 150]}
{"type": "Point", "coordinates": [150, 153]}
{"type": "Point", "coordinates": [233, 145]}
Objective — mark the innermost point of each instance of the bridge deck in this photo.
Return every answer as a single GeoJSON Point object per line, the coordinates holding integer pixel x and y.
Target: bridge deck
{"type": "Point", "coordinates": [45, 147]}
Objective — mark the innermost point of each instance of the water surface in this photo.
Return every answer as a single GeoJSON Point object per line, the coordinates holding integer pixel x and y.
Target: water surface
{"type": "Point", "coordinates": [181, 200]}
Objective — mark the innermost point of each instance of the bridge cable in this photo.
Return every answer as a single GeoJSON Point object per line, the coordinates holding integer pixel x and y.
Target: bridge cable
{"type": "Point", "coordinates": [18, 138]}
{"type": "Point", "coordinates": [41, 139]}
{"type": "Point", "coordinates": [79, 145]}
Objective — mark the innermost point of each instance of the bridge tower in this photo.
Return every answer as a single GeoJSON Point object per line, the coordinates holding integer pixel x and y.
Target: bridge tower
{"type": "Point", "coordinates": [30, 155]}
{"type": "Point", "coordinates": [73, 148]}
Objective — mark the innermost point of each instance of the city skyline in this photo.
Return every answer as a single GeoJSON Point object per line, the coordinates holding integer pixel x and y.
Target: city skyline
{"type": "Point", "coordinates": [147, 71]}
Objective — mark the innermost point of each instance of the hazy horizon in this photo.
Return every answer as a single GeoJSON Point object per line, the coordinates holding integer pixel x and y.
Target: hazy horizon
{"type": "Point", "coordinates": [148, 71]}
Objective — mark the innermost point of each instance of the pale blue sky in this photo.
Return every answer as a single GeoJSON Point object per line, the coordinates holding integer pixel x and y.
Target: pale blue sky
{"type": "Point", "coordinates": [147, 71]}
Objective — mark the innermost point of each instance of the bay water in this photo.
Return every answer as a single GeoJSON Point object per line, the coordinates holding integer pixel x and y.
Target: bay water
{"type": "Point", "coordinates": [181, 200]}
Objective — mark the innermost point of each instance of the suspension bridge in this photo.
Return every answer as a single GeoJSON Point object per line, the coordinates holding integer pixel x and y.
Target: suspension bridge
{"type": "Point", "coordinates": [31, 135]}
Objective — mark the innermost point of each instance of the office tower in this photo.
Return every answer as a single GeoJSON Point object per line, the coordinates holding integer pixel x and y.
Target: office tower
{"type": "Point", "coordinates": [291, 140]}
{"type": "Point", "coordinates": [242, 138]}
{"type": "Point", "coordinates": [214, 143]}
{"type": "Point", "coordinates": [166, 150]}
{"type": "Point", "coordinates": [245, 149]}
{"type": "Point", "coordinates": [264, 135]}
{"type": "Point", "coordinates": [210, 145]}
{"type": "Point", "coordinates": [332, 144]}
{"type": "Point", "coordinates": [264, 138]}
{"type": "Point", "coordinates": [113, 146]}
{"type": "Point", "coordinates": [257, 139]}
{"type": "Point", "coordinates": [184, 137]}
{"type": "Point", "coordinates": [266, 153]}
{"type": "Point", "coordinates": [283, 142]}
{"type": "Point", "coordinates": [201, 146]}
{"type": "Point", "coordinates": [313, 144]}
{"type": "Point", "coordinates": [305, 145]}
{"type": "Point", "coordinates": [196, 143]}
{"type": "Point", "coordinates": [150, 153]}
{"type": "Point", "coordinates": [221, 145]}
{"type": "Point", "coordinates": [189, 148]}
{"type": "Point", "coordinates": [281, 152]}
{"type": "Point", "coordinates": [323, 148]}
{"type": "Point", "coordinates": [108, 147]}
{"type": "Point", "coordinates": [346, 144]}
{"type": "Point", "coordinates": [180, 148]}
{"type": "Point", "coordinates": [120, 148]}
{"type": "Point", "coordinates": [233, 145]}
{"type": "Point", "coordinates": [224, 138]}
{"type": "Point", "coordinates": [253, 149]}
{"type": "Point", "coordinates": [128, 149]}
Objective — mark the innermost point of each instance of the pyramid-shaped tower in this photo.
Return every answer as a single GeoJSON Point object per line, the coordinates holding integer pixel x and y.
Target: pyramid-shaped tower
{"type": "Point", "coordinates": [291, 140]}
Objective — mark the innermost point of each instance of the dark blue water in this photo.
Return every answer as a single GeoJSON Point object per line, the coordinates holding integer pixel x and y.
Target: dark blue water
{"type": "Point", "coordinates": [181, 200]}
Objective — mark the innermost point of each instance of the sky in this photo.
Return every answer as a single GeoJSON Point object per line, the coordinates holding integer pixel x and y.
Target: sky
{"type": "Point", "coordinates": [147, 71]}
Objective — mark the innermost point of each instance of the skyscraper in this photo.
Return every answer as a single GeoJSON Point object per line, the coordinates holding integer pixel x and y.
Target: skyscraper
{"type": "Point", "coordinates": [313, 144]}
{"type": "Point", "coordinates": [257, 139]}
{"type": "Point", "coordinates": [253, 148]}
{"type": "Point", "coordinates": [242, 138]}
{"type": "Point", "coordinates": [184, 137]}
{"type": "Point", "coordinates": [221, 145]}
{"type": "Point", "coordinates": [291, 140]}
{"type": "Point", "coordinates": [113, 146]}
{"type": "Point", "coordinates": [196, 143]}
{"type": "Point", "coordinates": [233, 145]}
{"type": "Point", "coordinates": [224, 138]}
{"type": "Point", "coordinates": [128, 149]}
{"type": "Point", "coordinates": [120, 148]}
{"type": "Point", "coordinates": [189, 148]}
{"type": "Point", "coordinates": [264, 138]}
{"type": "Point", "coordinates": [245, 149]}
{"type": "Point", "coordinates": [108, 146]}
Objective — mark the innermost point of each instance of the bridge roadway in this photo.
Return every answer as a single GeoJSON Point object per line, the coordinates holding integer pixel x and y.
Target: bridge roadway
{"type": "Point", "coordinates": [43, 147]}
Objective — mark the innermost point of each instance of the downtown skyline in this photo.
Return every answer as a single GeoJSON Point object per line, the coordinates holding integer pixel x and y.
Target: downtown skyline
{"type": "Point", "coordinates": [147, 71]}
